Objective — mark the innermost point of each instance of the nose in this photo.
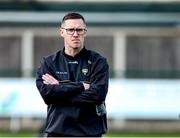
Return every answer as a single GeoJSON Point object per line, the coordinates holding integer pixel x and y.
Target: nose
{"type": "Point", "coordinates": [75, 33]}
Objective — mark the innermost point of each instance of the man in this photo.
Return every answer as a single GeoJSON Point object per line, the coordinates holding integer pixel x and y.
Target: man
{"type": "Point", "coordinates": [73, 83]}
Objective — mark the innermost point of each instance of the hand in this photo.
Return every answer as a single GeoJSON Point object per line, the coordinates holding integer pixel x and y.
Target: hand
{"type": "Point", "coordinates": [86, 85]}
{"type": "Point", "coordinates": [48, 79]}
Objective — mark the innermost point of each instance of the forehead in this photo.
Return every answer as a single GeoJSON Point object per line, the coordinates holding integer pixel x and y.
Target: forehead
{"type": "Point", "coordinates": [74, 23]}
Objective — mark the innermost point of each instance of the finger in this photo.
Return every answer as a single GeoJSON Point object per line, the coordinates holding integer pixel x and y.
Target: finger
{"type": "Point", "coordinates": [51, 79]}
{"type": "Point", "coordinates": [45, 82]}
{"type": "Point", "coordinates": [46, 78]}
{"type": "Point", "coordinates": [48, 75]}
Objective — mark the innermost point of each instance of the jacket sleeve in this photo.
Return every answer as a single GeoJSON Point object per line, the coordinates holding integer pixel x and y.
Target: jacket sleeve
{"type": "Point", "coordinates": [55, 94]}
{"type": "Point", "coordinates": [97, 92]}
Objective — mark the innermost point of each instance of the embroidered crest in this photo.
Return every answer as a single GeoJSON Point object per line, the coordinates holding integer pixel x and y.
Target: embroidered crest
{"type": "Point", "coordinates": [84, 71]}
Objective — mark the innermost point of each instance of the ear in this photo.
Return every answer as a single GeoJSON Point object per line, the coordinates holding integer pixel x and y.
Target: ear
{"type": "Point", "coordinates": [61, 32]}
{"type": "Point", "coordinates": [85, 34]}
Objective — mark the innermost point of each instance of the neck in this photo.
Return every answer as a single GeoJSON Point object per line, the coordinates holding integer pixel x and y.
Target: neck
{"type": "Point", "coordinates": [72, 51]}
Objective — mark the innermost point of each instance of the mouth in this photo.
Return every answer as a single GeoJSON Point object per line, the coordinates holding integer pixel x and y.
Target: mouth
{"type": "Point", "coordinates": [76, 40]}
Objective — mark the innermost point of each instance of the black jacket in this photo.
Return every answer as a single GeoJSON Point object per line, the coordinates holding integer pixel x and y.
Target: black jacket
{"type": "Point", "coordinates": [72, 110]}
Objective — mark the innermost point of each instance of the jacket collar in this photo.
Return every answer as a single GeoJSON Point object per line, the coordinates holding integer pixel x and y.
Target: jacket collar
{"type": "Point", "coordinates": [79, 55]}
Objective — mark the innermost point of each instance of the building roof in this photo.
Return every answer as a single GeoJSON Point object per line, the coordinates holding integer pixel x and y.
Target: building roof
{"type": "Point", "coordinates": [115, 13]}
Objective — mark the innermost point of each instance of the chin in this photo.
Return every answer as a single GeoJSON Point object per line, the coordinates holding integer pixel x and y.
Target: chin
{"type": "Point", "coordinates": [76, 46]}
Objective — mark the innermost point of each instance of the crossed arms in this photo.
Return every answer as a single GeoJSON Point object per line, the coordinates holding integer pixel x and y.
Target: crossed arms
{"type": "Point", "coordinates": [50, 80]}
{"type": "Point", "coordinates": [54, 92]}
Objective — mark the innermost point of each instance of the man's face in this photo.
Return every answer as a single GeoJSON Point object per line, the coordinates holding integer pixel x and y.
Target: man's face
{"type": "Point", "coordinates": [73, 31]}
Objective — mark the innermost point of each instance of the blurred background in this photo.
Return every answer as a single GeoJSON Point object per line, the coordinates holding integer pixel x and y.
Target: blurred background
{"type": "Point", "coordinates": [139, 38]}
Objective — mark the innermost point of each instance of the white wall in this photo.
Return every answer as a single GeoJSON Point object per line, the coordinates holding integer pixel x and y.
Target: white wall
{"type": "Point", "coordinates": [126, 98]}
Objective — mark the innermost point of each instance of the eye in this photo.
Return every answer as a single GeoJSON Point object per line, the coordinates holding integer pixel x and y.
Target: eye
{"type": "Point", "coordinates": [79, 30]}
{"type": "Point", "coordinates": [70, 29]}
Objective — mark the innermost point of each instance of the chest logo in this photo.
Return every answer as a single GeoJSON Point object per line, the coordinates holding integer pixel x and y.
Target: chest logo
{"type": "Point", "coordinates": [73, 62]}
{"type": "Point", "coordinates": [61, 72]}
{"type": "Point", "coordinates": [84, 71]}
